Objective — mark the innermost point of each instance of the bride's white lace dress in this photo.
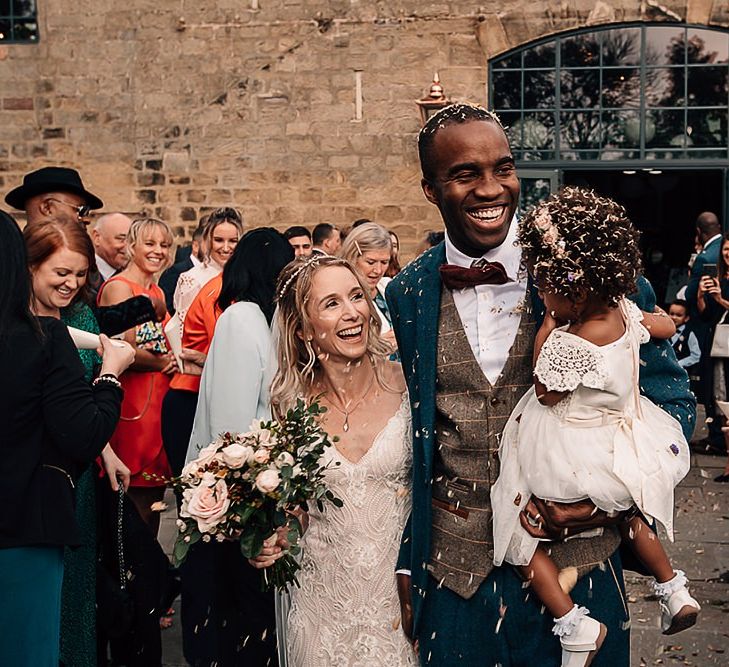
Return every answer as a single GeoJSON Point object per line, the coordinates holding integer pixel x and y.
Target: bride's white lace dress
{"type": "Point", "coordinates": [346, 612]}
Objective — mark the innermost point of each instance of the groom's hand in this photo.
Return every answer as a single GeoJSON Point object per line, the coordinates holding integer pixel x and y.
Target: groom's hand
{"type": "Point", "coordinates": [404, 592]}
{"type": "Point", "coordinates": [556, 521]}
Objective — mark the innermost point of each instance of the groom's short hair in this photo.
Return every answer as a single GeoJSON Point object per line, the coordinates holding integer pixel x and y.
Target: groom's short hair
{"type": "Point", "coordinates": [454, 114]}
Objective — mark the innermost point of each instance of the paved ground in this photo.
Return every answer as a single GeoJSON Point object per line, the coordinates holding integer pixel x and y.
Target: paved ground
{"type": "Point", "coordinates": [701, 549]}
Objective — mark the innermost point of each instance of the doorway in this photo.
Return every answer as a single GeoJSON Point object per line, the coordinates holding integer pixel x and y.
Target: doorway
{"type": "Point", "coordinates": [663, 204]}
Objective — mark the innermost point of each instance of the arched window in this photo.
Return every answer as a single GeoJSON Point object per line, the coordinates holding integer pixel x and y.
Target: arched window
{"type": "Point", "coordinates": [18, 21]}
{"type": "Point", "coordinates": [627, 92]}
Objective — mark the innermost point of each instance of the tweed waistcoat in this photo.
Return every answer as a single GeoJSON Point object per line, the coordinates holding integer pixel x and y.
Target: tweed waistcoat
{"type": "Point", "coordinates": [470, 415]}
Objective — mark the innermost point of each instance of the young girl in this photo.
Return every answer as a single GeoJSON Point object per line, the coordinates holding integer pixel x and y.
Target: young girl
{"type": "Point", "coordinates": [584, 430]}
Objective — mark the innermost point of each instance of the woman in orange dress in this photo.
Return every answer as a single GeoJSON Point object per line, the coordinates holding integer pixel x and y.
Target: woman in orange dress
{"type": "Point", "coordinates": [138, 437]}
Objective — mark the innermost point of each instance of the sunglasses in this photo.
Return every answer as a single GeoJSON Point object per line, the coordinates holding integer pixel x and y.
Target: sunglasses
{"type": "Point", "coordinates": [81, 211]}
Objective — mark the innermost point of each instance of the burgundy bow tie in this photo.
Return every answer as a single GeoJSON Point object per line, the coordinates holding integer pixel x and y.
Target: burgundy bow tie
{"type": "Point", "coordinates": [460, 277]}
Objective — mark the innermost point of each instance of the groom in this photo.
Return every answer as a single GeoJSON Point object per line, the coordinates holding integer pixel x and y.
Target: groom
{"type": "Point", "coordinates": [465, 335]}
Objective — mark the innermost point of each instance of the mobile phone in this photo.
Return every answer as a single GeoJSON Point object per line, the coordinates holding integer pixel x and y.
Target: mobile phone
{"type": "Point", "coordinates": [708, 270]}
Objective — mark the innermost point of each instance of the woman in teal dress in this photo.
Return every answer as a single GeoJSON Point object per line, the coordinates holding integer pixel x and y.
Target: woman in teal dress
{"type": "Point", "coordinates": [60, 257]}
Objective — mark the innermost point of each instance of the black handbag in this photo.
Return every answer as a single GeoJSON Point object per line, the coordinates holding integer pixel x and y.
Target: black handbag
{"type": "Point", "coordinates": [114, 604]}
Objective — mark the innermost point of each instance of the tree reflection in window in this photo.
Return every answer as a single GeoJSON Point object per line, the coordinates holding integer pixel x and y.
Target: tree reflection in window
{"type": "Point", "coordinates": [634, 91]}
{"type": "Point", "coordinates": [18, 21]}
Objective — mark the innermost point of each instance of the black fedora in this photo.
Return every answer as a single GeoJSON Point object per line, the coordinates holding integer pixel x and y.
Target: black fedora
{"type": "Point", "coordinates": [51, 179]}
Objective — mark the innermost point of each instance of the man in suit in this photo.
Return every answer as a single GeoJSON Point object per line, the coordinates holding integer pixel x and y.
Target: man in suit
{"type": "Point", "coordinates": [708, 237]}
{"type": "Point", "coordinates": [326, 239]}
{"type": "Point", "coordinates": [465, 330]}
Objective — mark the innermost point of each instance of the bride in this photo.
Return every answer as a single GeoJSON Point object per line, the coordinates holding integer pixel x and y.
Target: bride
{"type": "Point", "coordinates": [346, 611]}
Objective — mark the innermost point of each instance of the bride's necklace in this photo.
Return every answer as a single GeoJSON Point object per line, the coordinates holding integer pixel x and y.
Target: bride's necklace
{"type": "Point", "coordinates": [349, 410]}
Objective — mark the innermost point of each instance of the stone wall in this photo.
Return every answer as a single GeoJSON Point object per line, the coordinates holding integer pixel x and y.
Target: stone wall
{"type": "Point", "coordinates": [176, 108]}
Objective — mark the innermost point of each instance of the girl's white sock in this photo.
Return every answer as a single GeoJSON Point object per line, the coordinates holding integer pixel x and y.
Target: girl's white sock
{"type": "Point", "coordinates": [564, 625]}
{"type": "Point", "coordinates": [668, 588]}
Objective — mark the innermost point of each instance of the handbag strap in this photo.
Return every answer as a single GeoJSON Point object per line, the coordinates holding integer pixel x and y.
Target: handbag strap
{"type": "Point", "coordinates": [120, 540]}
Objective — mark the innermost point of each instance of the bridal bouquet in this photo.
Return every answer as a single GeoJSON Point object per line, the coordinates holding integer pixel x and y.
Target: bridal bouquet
{"type": "Point", "coordinates": [243, 486]}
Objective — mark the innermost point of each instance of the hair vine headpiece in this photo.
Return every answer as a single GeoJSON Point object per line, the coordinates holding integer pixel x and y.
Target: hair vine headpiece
{"type": "Point", "coordinates": [304, 264]}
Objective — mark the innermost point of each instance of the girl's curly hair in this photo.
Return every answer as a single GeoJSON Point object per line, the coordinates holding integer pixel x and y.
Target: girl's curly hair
{"type": "Point", "coordinates": [576, 241]}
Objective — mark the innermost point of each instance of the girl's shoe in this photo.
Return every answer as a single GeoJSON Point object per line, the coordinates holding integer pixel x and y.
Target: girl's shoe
{"type": "Point", "coordinates": [678, 609]}
{"type": "Point", "coordinates": [581, 637]}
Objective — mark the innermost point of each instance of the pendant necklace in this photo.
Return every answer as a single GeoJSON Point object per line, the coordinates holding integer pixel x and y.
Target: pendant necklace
{"type": "Point", "coordinates": [346, 413]}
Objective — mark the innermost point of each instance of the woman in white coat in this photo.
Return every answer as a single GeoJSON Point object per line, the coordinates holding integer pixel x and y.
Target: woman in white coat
{"type": "Point", "coordinates": [226, 618]}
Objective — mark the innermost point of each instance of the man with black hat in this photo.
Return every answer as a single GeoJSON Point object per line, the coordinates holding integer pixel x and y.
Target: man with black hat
{"type": "Point", "coordinates": [54, 192]}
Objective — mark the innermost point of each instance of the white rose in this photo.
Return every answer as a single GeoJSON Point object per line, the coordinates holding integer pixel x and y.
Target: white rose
{"type": "Point", "coordinates": [236, 456]}
{"type": "Point", "coordinates": [284, 459]}
{"type": "Point", "coordinates": [267, 480]}
{"type": "Point", "coordinates": [205, 456]}
{"type": "Point", "coordinates": [207, 504]}
{"type": "Point", "coordinates": [261, 455]}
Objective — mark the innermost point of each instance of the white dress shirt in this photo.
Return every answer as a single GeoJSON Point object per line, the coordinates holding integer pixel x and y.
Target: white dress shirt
{"type": "Point", "coordinates": [105, 269]}
{"type": "Point", "coordinates": [491, 314]}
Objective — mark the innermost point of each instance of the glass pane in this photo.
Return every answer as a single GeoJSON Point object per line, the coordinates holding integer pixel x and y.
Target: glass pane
{"type": "Point", "coordinates": [580, 89]}
{"type": "Point", "coordinates": [506, 90]}
{"type": "Point", "coordinates": [665, 87]}
{"type": "Point", "coordinates": [5, 30]}
{"type": "Point", "coordinates": [537, 131]}
{"type": "Point", "coordinates": [533, 190]}
{"type": "Point", "coordinates": [5, 7]}
{"type": "Point", "coordinates": [25, 31]}
{"type": "Point", "coordinates": [621, 129]}
{"type": "Point", "coordinates": [707, 128]}
{"type": "Point", "coordinates": [581, 50]}
{"type": "Point", "coordinates": [707, 86]}
{"type": "Point", "coordinates": [580, 155]}
{"type": "Point", "coordinates": [540, 56]}
{"type": "Point", "coordinates": [706, 154]}
{"type": "Point", "coordinates": [21, 7]}
{"type": "Point", "coordinates": [580, 129]}
{"type": "Point", "coordinates": [707, 46]}
{"type": "Point", "coordinates": [512, 61]}
{"type": "Point", "coordinates": [621, 88]}
{"type": "Point", "coordinates": [512, 125]}
{"type": "Point", "coordinates": [539, 87]}
{"type": "Point", "coordinates": [665, 128]}
{"type": "Point", "coordinates": [665, 45]}
{"type": "Point", "coordinates": [621, 47]}
{"type": "Point", "coordinates": [608, 153]}
{"type": "Point", "coordinates": [665, 155]}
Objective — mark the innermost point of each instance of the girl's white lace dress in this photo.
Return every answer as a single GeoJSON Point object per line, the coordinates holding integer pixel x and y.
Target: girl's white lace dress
{"type": "Point", "coordinates": [603, 441]}
{"type": "Point", "coordinates": [346, 612]}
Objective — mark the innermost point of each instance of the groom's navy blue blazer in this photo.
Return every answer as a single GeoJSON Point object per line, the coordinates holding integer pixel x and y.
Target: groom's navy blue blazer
{"type": "Point", "coordinates": [413, 298]}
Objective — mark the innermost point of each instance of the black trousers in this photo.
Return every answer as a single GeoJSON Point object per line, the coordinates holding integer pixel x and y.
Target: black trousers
{"type": "Point", "coordinates": [178, 415]}
{"type": "Point", "coordinates": [226, 618]}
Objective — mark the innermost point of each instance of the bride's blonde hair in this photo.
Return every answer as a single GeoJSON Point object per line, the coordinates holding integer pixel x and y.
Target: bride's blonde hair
{"type": "Point", "coordinates": [297, 359]}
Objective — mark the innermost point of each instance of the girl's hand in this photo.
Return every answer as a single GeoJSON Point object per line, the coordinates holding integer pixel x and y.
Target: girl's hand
{"type": "Point", "coordinates": [115, 469]}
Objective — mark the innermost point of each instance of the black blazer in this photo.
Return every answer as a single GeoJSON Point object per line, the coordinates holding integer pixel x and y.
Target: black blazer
{"type": "Point", "coordinates": [52, 424]}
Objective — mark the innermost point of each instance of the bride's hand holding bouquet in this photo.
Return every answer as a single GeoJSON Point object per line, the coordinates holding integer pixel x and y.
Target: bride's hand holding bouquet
{"type": "Point", "coordinates": [255, 487]}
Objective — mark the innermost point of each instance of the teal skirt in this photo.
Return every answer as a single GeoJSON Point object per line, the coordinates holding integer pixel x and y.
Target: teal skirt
{"type": "Point", "coordinates": [30, 605]}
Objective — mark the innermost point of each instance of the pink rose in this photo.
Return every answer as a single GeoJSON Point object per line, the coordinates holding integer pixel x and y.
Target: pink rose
{"type": "Point", "coordinates": [236, 456]}
{"type": "Point", "coordinates": [207, 503]}
{"type": "Point", "coordinates": [267, 480]}
{"type": "Point", "coordinates": [261, 455]}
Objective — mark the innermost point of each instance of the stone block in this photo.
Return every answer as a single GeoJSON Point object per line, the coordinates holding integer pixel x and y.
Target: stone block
{"type": "Point", "coordinates": [18, 104]}
{"type": "Point", "coordinates": [344, 161]}
{"type": "Point", "coordinates": [699, 11]}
